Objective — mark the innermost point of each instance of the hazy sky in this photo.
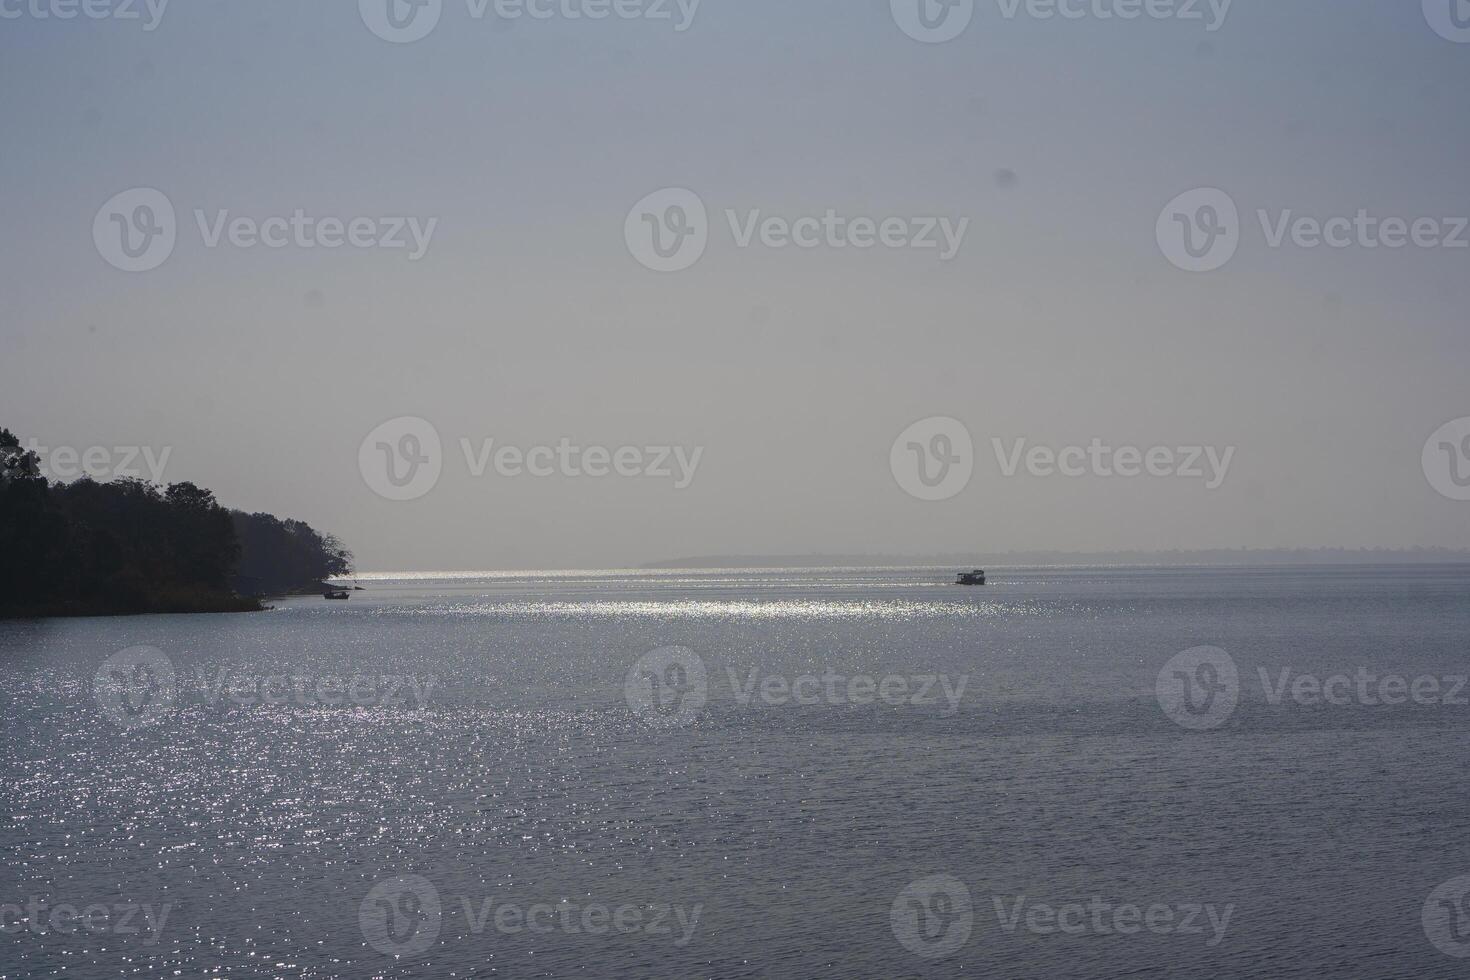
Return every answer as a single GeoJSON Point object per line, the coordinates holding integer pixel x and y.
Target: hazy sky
{"type": "Point", "coordinates": [528, 319]}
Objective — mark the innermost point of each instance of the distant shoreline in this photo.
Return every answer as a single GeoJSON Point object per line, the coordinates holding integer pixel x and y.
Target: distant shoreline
{"type": "Point", "coordinates": [1213, 557]}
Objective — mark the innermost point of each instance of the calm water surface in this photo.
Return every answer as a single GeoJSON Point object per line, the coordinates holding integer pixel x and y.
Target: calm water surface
{"type": "Point", "coordinates": [760, 839]}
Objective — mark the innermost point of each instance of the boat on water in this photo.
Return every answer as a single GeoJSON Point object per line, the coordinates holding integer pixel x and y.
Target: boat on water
{"type": "Point", "coordinates": [338, 594]}
{"type": "Point", "coordinates": [977, 577]}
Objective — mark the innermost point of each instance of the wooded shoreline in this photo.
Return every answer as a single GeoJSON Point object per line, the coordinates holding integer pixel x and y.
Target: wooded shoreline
{"type": "Point", "coordinates": [129, 547]}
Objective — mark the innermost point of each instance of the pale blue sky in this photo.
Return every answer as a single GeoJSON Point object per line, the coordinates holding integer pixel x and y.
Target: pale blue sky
{"type": "Point", "coordinates": [528, 320]}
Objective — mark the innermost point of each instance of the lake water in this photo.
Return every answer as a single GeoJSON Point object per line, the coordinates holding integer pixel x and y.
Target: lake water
{"type": "Point", "coordinates": [832, 774]}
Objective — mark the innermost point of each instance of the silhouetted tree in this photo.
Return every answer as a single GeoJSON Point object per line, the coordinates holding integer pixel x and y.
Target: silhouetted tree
{"type": "Point", "coordinates": [35, 536]}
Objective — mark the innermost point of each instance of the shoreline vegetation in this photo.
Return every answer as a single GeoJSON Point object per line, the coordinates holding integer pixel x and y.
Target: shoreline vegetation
{"type": "Point", "coordinates": [128, 547]}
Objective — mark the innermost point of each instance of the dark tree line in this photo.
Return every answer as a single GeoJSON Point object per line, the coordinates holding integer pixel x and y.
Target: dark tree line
{"type": "Point", "coordinates": [127, 546]}
{"type": "Point", "coordinates": [278, 557]}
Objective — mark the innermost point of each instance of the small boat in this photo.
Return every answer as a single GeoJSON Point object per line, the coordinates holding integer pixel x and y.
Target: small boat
{"type": "Point", "coordinates": [977, 577]}
{"type": "Point", "coordinates": [340, 594]}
